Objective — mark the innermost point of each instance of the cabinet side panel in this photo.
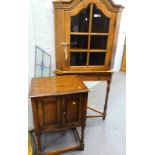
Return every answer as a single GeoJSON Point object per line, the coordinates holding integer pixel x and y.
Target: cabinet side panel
{"type": "Point", "coordinates": [40, 111]}
{"type": "Point", "coordinates": [59, 37]}
{"type": "Point", "coordinates": [84, 109]}
{"type": "Point", "coordinates": [35, 114]}
{"type": "Point", "coordinates": [117, 25]}
{"type": "Point", "coordinates": [123, 65]}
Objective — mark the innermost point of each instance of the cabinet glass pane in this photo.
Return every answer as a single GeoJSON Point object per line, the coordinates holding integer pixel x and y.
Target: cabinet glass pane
{"type": "Point", "coordinates": [98, 42]}
{"type": "Point", "coordinates": [100, 23]}
{"type": "Point", "coordinates": [78, 58]}
{"type": "Point", "coordinates": [80, 22]}
{"type": "Point", "coordinates": [79, 41]}
{"type": "Point", "coordinates": [97, 58]}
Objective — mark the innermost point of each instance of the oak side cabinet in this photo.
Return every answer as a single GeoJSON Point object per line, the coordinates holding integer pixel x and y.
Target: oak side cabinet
{"type": "Point", "coordinates": [58, 103]}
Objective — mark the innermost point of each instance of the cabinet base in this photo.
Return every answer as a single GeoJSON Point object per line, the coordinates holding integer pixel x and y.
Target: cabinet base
{"type": "Point", "coordinates": [79, 145]}
{"type": "Point", "coordinates": [59, 151]}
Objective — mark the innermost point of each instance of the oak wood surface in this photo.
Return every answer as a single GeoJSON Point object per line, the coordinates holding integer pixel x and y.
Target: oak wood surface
{"type": "Point", "coordinates": [60, 151]}
{"type": "Point", "coordinates": [89, 33]}
{"type": "Point", "coordinates": [58, 85]}
{"type": "Point", "coordinates": [73, 3]}
{"type": "Point", "coordinates": [123, 65]}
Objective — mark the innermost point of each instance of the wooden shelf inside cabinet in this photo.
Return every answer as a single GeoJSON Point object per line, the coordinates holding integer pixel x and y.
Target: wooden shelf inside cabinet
{"type": "Point", "coordinates": [89, 32]}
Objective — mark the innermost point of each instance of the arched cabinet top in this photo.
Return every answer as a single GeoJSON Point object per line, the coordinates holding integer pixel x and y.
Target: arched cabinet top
{"type": "Point", "coordinates": [71, 4]}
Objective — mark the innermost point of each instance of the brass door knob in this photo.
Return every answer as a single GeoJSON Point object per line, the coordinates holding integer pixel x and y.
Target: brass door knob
{"type": "Point", "coordinates": [64, 113]}
{"type": "Point", "coordinates": [74, 103]}
{"type": "Point", "coordinates": [65, 46]}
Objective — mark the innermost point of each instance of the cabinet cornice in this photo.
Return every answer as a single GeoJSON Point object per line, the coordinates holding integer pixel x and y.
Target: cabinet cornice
{"type": "Point", "coordinates": [70, 4]}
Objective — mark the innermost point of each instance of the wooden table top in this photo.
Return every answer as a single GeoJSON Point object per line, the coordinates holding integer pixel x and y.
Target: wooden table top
{"type": "Point", "coordinates": [57, 85]}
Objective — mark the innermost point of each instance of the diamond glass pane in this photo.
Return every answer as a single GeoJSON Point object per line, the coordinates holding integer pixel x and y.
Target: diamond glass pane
{"type": "Point", "coordinates": [46, 59]}
{"type": "Point", "coordinates": [38, 71]}
{"type": "Point", "coordinates": [46, 72]}
{"type": "Point", "coordinates": [39, 55]}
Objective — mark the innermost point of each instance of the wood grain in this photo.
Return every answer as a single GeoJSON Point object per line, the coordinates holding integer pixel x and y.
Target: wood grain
{"type": "Point", "coordinates": [58, 85]}
{"type": "Point", "coordinates": [123, 65]}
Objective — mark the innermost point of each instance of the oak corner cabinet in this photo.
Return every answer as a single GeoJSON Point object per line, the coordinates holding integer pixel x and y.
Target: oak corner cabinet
{"type": "Point", "coordinates": [58, 103]}
{"type": "Point", "coordinates": [86, 33]}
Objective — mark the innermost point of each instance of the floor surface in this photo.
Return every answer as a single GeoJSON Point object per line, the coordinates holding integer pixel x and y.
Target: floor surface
{"type": "Point", "coordinates": [107, 137]}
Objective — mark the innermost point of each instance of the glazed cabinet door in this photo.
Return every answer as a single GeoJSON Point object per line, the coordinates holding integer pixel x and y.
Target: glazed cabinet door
{"type": "Point", "coordinates": [89, 31]}
{"type": "Point", "coordinates": [49, 112]}
{"type": "Point", "coordinates": [72, 110]}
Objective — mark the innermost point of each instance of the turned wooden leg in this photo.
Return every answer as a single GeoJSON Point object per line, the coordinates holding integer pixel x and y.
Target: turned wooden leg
{"type": "Point", "coordinates": [38, 141]}
{"type": "Point", "coordinates": [106, 99]}
{"type": "Point", "coordinates": [82, 138]}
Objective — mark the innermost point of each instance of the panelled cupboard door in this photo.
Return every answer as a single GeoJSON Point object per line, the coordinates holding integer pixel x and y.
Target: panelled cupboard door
{"type": "Point", "coordinates": [61, 111]}
{"type": "Point", "coordinates": [89, 32]}
{"type": "Point", "coordinates": [72, 107]}
{"type": "Point", "coordinates": [49, 112]}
